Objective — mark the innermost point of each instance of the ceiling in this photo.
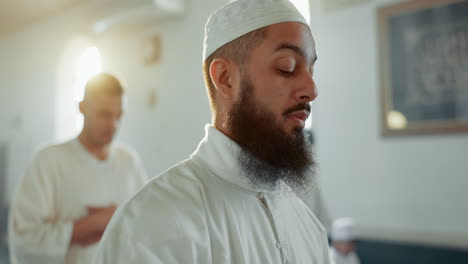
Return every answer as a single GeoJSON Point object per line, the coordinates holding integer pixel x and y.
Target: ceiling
{"type": "Point", "coordinates": [17, 14]}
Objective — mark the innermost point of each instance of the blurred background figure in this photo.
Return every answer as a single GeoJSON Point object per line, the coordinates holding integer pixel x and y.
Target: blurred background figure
{"type": "Point", "coordinates": [343, 238]}
{"type": "Point", "coordinates": [71, 190]}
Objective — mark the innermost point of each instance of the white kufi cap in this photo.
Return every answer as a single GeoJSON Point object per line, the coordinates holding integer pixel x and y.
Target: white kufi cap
{"type": "Point", "coordinates": [343, 230]}
{"type": "Point", "coordinates": [244, 16]}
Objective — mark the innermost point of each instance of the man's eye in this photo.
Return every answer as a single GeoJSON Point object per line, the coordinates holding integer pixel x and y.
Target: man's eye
{"type": "Point", "coordinates": [285, 73]}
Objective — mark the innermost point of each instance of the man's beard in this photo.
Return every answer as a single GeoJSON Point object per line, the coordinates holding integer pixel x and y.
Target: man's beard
{"type": "Point", "coordinates": [268, 153]}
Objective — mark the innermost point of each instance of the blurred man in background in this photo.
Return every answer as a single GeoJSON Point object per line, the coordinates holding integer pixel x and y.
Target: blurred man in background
{"type": "Point", "coordinates": [343, 250]}
{"type": "Point", "coordinates": [71, 190]}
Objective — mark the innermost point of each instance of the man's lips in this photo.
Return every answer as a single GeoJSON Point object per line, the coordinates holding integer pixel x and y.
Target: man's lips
{"type": "Point", "coordinates": [297, 108]}
{"type": "Point", "coordinates": [301, 115]}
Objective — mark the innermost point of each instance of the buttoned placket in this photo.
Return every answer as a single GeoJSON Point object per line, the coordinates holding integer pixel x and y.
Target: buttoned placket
{"type": "Point", "coordinates": [281, 246]}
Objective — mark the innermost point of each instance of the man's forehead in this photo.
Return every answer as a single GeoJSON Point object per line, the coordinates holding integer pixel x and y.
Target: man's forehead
{"type": "Point", "coordinates": [307, 52]}
{"type": "Point", "coordinates": [298, 39]}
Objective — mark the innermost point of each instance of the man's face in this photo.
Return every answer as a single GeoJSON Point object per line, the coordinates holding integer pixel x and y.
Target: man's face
{"type": "Point", "coordinates": [281, 70]}
{"type": "Point", "coordinates": [345, 248]}
{"type": "Point", "coordinates": [268, 119]}
{"type": "Point", "coordinates": [102, 113]}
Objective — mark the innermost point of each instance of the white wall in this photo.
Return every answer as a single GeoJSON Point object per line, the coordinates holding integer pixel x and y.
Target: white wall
{"type": "Point", "coordinates": [408, 187]}
{"type": "Point", "coordinates": [171, 130]}
{"type": "Point", "coordinates": [27, 74]}
{"type": "Point", "coordinates": [32, 70]}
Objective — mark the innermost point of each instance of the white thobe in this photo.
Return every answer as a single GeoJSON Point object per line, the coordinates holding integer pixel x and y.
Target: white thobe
{"type": "Point", "coordinates": [203, 211]}
{"type": "Point", "coordinates": [55, 191]}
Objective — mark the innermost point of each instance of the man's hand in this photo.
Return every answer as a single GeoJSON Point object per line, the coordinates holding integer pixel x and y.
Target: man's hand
{"type": "Point", "coordinates": [90, 240]}
{"type": "Point", "coordinates": [101, 215]}
{"type": "Point", "coordinates": [89, 229]}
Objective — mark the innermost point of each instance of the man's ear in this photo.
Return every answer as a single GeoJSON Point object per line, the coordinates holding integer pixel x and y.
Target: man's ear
{"type": "Point", "coordinates": [224, 75]}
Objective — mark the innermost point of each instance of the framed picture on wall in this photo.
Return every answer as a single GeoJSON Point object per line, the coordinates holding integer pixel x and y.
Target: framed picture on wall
{"type": "Point", "coordinates": [424, 67]}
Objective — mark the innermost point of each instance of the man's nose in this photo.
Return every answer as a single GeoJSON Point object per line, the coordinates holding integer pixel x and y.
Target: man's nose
{"type": "Point", "coordinates": [307, 91]}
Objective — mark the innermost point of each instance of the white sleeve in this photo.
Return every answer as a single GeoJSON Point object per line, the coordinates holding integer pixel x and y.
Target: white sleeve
{"type": "Point", "coordinates": [36, 234]}
{"type": "Point", "coordinates": [159, 225]}
{"type": "Point", "coordinates": [122, 248]}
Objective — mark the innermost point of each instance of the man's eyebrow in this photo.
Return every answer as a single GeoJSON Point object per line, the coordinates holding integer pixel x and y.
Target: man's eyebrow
{"type": "Point", "coordinates": [296, 49]}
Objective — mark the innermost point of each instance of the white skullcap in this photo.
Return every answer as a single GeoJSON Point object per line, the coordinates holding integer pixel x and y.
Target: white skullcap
{"type": "Point", "coordinates": [343, 230]}
{"type": "Point", "coordinates": [244, 16]}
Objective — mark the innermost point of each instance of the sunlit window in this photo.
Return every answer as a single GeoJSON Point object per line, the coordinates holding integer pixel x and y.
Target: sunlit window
{"type": "Point", "coordinates": [79, 61]}
{"type": "Point", "coordinates": [88, 64]}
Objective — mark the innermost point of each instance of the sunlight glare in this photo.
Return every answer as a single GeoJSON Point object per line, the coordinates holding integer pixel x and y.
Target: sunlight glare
{"type": "Point", "coordinates": [89, 64]}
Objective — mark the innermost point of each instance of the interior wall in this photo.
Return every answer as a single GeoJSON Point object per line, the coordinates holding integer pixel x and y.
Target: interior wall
{"type": "Point", "coordinates": [32, 63]}
{"type": "Point", "coordinates": [169, 131]}
{"type": "Point", "coordinates": [27, 71]}
{"type": "Point", "coordinates": [404, 187]}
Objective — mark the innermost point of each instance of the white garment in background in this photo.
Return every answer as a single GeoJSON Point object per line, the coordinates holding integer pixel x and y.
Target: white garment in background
{"type": "Point", "coordinates": [337, 258]}
{"type": "Point", "coordinates": [55, 191]}
{"type": "Point", "coordinates": [203, 211]}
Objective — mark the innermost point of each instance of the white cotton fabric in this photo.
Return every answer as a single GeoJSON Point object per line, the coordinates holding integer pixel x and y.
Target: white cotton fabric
{"type": "Point", "coordinates": [243, 16]}
{"type": "Point", "coordinates": [203, 211]}
{"type": "Point", "coordinates": [54, 192]}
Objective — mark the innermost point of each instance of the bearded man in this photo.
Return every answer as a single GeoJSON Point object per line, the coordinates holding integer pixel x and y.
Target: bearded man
{"type": "Point", "coordinates": [231, 201]}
